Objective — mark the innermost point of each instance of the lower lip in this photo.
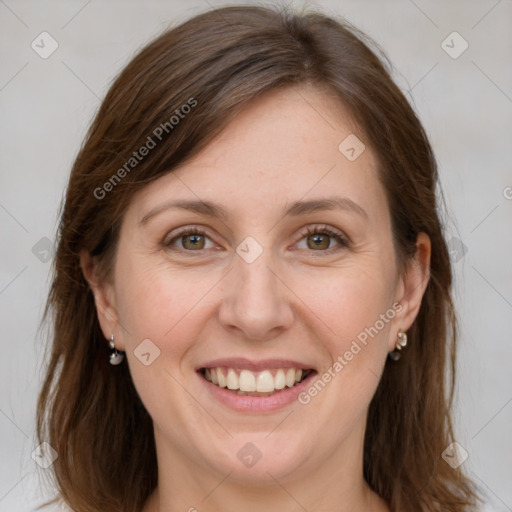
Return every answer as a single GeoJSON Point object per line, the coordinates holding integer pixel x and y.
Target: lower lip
{"type": "Point", "coordinates": [242, 403]}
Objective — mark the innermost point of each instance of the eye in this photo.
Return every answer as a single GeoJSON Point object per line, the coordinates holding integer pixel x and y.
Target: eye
{"type": "Point", "coordinates": [323, 239]}
{"type": "Point", "coordinates": [319, 239]}
{"type": "Point", "coordinates": [191, 240]}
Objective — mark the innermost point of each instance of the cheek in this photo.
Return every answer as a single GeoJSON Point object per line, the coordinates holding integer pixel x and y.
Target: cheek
{"type": "Point", "coordinates": [164, 306]}
{"type": "Point", "coordinates": [159, 303]}
{"type": "Point", "coordinates": [348, 301]}
{"type": "Point", "coordinates": [353, 311]}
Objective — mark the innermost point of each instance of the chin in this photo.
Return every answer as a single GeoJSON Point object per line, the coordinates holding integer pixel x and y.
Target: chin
{"type": "Point", "coordinates": [258, 459]}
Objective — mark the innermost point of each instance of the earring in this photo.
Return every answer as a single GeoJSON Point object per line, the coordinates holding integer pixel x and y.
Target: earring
{"type": "Point", "coordinates": [400, 344]}
{"type": "Point", "coordinates": [115, 357]}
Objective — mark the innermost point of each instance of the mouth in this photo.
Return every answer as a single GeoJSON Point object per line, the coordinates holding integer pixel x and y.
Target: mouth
{"type": "Point", "coordinates": [261, 383]}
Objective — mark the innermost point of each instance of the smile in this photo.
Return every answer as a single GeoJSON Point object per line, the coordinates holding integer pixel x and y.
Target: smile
{"type": "Point", "coordinates": [251, 383]}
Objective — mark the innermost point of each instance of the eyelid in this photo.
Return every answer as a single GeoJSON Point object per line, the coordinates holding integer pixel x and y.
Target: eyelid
{"type": "Point", "coordinates": [323, 228]}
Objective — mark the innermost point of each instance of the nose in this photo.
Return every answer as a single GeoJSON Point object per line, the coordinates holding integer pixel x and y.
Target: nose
{"type": "Point", "coordinates": [255, 303]}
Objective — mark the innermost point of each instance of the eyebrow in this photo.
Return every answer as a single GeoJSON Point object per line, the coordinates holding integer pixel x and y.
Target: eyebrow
{"type": "Point", "coordinates": [295, 209]}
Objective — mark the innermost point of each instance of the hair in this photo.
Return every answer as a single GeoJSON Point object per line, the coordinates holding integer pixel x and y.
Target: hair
{"type": "Point", "coordinates": [217, 62]}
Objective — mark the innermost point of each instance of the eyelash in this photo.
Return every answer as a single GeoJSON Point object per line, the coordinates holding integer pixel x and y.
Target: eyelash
{"type": "Point", "coordinates": [323, 230]}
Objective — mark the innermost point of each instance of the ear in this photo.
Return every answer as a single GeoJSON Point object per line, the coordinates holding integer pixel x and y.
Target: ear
{"type": "Point", "coordinates": [104, 299]}
{"type": "Point", "coordinates": [411, 286]}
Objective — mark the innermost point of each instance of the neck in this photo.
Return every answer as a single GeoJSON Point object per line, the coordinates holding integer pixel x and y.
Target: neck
{"type": "Point", "coordinates": [335, 485]}
{"type": "Point", "coordinates": [272, 498]}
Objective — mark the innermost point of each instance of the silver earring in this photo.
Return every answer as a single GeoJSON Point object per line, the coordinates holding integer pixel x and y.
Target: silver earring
{"type": "Point", "coordinates": [400, 344]}
{"type": "Point", "coordinates": [115, 357]}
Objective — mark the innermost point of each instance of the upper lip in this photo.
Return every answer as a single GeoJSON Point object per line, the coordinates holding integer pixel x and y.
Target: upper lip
{"type": "Point", "coordinates": [246, 364]}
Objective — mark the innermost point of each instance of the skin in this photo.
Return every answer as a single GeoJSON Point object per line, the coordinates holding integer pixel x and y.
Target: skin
{"type": "Point", "coordinates": [293, 301]}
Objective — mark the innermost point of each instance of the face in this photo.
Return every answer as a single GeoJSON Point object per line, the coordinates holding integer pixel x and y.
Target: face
{"type": "Point", "coordinates": [265, 265]}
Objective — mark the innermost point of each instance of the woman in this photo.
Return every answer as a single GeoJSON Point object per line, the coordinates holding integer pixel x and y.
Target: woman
{"type": "Point", "coordinates": [250, 238]}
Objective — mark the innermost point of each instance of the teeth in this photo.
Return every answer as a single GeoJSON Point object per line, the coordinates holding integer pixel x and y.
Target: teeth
{"type": "Point", "coordinates": [247, 381]}
{"type": "Point", "coordinates": [252, 383]}
{"type": "Point", "coordinates": [290, 377]}
{"type": "Point", "coordinates": [265, 382]}
{"type": "Point", "coordinates": [221, 378]}
{"type": "Point", "coordinates": [280, 379]}
{"type": "Point", "coordinates": [232, 379]}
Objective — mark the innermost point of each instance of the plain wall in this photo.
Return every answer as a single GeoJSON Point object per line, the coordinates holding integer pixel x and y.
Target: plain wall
{"type": "Point", "coordinates": [465, 104]}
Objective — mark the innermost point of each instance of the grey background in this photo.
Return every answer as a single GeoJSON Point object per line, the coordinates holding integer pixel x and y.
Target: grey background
{"type": "Point", "coordinates": [465, 104]}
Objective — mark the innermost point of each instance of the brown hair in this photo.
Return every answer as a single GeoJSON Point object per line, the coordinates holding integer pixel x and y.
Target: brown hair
{"type": "Point", "coordinates": [217, 63]}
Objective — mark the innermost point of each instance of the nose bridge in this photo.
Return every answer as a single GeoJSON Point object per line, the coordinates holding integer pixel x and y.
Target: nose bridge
{"type": "Point", "coordinates": [256, 282]}
{"type": "Point", "coordinates": [255, 300]}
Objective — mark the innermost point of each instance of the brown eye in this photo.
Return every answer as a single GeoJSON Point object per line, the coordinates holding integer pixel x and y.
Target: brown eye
{"type": "Point", "coordinates": [319, 241]}
{"type": "Point", "coordinates": [193, 241]}
{"type": "Point", "coordinates": [323, 240]}
{"type": "Point", "coordinates": [190, 240]}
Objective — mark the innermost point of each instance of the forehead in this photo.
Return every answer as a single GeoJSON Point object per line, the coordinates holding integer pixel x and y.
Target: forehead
{"type": "Point", "coordinates": [287, 145]}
